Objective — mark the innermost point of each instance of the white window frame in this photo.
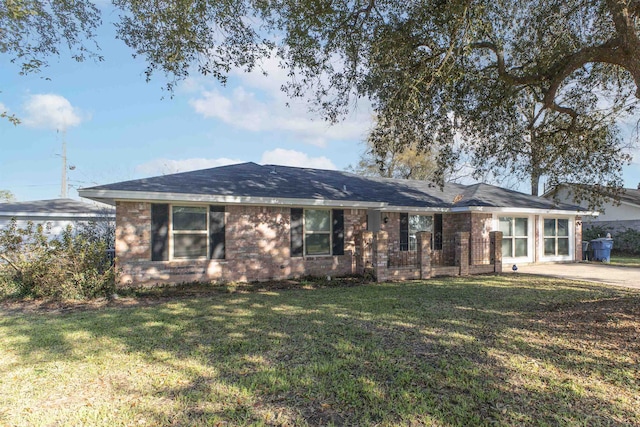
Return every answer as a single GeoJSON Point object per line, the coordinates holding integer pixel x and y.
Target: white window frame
{"type": "Point", "coordinates": [513, 237]}
{"type": "Point", "coordinates": [415, 235]}
{"type": "Point", "coordinates": [173, 232]}
{"type": "Point", "coordinates": [570, 237]}
{"type": "Point", "coordinates": [305, 232]}
{"type": "Point", "coordinates": [531, 224]}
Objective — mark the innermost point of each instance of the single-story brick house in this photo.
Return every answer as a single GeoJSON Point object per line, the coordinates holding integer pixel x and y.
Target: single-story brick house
{"type": "Point", "coordinates": [250, 222]}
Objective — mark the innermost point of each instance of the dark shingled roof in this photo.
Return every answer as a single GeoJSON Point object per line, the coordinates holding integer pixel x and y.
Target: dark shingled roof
{"type": "Point", "coordinates": [271, 181]}
{"type": "Point", "coordinates": [54, 206]}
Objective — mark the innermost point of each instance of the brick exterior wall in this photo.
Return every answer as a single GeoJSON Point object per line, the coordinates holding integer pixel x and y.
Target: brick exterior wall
{"type": "Point", "coordinates": [451, 224]}
{"type": "Point", "coordinates": [480, 248]}
{"type": "Point", "coordinates": [258, 241]}
{"type": "Point", "coordinates": [133, 231]}
{"type": "Point", "coordinates": [477, 224]}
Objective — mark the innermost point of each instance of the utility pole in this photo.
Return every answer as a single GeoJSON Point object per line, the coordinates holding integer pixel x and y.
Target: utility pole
{"type": "Point", "coordinates": [63, 186]}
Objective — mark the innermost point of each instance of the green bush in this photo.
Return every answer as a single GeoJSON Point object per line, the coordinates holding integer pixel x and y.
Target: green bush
{"type": "Point", "coordinates": [75, 265]}
{"type": "Point", "coordinates": [624, 242]}
{"type": "Point", "coordinates": [594, 232]}
{"type": "Point", "coordinates": [627, 242]}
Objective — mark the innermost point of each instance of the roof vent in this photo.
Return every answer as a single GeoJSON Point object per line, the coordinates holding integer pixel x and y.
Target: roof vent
{"type": "Point", "coordinates": [344, 187]}
{"type": "Point", "coordinates": [273, 171]}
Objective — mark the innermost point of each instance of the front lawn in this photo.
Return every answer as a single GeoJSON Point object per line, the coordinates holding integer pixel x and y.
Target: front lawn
{"type": "Point", "coordinates": [625, 260]}
{"type": "Point", "coordinates": [474, 351]}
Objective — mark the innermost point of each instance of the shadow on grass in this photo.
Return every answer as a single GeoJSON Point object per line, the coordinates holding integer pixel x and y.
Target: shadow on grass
{"type": "Point", "coordinates": [447, 352]}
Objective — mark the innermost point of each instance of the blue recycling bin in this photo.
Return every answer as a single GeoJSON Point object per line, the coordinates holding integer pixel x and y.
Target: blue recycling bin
{"type": "Point", "coordinates": [602, 249]}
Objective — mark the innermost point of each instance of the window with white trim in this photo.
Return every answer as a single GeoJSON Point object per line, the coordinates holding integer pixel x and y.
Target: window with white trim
{"type": "Point", "coordinates": [189, 232]}
{"type": "Point", "coordinates": [515, 236]}
{"type": "Point", "coordinates": [556, 237]}
{"type": "Point", "coordinates": [418, 223]}
{"type": "Point", "coordinates": [317, 232]}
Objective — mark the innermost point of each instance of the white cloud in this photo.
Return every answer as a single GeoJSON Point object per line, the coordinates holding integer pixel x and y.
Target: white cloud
{"type": "Point", "coordinates": [51, 111]}
{"type": "Point", "coordinates": [3, 108]}
{"type": "Point", "coordinates": [168, 166]}
{"type": "Point", "coordinates": [257, 104]}
{"type": "Point", "coordinates": [283, 157]}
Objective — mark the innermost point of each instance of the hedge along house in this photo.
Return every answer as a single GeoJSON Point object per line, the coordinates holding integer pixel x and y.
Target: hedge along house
{"type": "Point", "coordinates": [250, 222]}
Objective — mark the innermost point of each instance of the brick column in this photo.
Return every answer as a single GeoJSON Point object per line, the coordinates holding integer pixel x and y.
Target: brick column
{"type": "Point", "coordinates": [578, 239]}
{"type": "Point", "coordinates": [496, 250]}
{"type": "Point", "coordinates": [380, 255]}
{"type": "Point", "coordinates": [462, 252]}
{"type": "Point", "coordinates": [424, 253]}
{"type": "Point", "coordinates": [363, 241]}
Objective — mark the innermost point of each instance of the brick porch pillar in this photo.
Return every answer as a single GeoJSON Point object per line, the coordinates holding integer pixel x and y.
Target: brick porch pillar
{"type": "Point", "coordinates": [380, 255]}
{"type": "Point", "coordinates": [364, 260]}
{"type": "Point", "coordinates": [578, 239]}
{"type": "Point", "coordinates": [424, 253]}
{"type": "Point", "coordinates": [462, 252]}
{"type": "Point", "coordinates": [495, 237]}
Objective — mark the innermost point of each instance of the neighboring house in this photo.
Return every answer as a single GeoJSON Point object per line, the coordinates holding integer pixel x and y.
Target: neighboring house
{"type": "Point", "coordinates": [614, 217]}
{"type": "Point", "coordinates": [55, 215]}
{"type": "Point", "coordinates": [250, 222]}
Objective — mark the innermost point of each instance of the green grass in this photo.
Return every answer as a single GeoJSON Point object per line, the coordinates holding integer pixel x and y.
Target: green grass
{"type": "Point", "coordinates": [625, 260]}
{"type": "Point", "coordinates": [473, 351]}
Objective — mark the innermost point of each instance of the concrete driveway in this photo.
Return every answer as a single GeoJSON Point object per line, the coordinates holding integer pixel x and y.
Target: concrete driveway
{"type": "Point", "coordinates": [590, 272]}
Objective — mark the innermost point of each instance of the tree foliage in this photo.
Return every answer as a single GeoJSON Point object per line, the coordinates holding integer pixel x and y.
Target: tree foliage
{"type": "Point", "coordinates": [75, 265]}
{"type": "Point", "coordinates": [432, 69]}
{"type": "Point", "coordinates": [6, 196]}
{"type": "Point", "coordinates": [388, 155]}
{"type": "Point", "coordinates": [33, 30]}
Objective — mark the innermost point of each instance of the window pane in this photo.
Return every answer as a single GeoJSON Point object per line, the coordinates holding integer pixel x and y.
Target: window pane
{"type": "Point", "coordinates": [549, 246]}
{"type": "Point", "coordinates": [189, 218]}
{"type": "Point", "coordinates": [563, 227]}
{"type": "Point", "coordinates": [317, 220]}
{"type": "Point", "coordinates": [317, 244]}
{"type": "Point", "coordinates": [507, 250]}
{"type": "Point", "coordinates": [505, 226]}
{"type": "Point", "coordinates": [563, 246]}
{"type": "Point", "coordinates": [521, 227]}
{"type": "Point", "coordinates": [189, 245]}
{"type": "Point", "coordinates": [419, 223]}
{"type": "Point", "coordinates": [521, 247]}
{"type": "Point", "coordinates": [549, 227]}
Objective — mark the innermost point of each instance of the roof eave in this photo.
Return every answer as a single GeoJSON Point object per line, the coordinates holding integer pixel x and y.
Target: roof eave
{"type": "Point", "coordinates": [110, 196]}
{"type": "Point", "coordinates": [537, 211]}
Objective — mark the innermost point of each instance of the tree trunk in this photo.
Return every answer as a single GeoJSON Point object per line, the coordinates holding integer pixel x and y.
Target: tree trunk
{"type": "Point", "coordinates": [535, 183]}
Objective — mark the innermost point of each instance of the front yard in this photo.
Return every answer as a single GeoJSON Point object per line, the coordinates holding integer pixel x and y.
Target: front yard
{"type": "Point", "coordinates": [473, 351]}
{"type": "Point", "coordinates": [625, 260]}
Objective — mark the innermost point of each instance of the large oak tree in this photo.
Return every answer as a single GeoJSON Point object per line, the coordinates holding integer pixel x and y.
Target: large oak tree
{"type": "Point", "coordinates": [423, 64]}
{"type": "Point", "coordinates": [431, 68]}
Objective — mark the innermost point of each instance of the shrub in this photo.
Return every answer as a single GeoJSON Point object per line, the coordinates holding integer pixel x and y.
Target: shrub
{"type": "Point", "coordinates": [75, 265]}
{"type": "Point", "coordinates": [627, 242]}
{"type": "Point", "coordinates": [624, 242]}
{"type": "Point", "coordinates": [594, 232]}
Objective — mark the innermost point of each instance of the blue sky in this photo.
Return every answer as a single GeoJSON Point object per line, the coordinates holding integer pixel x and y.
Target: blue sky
{"type": "Point", "coordinates": [119, 127]}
